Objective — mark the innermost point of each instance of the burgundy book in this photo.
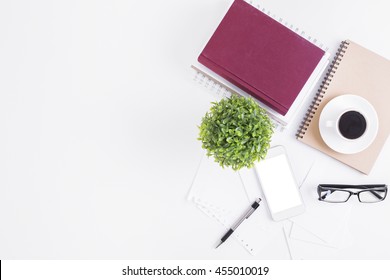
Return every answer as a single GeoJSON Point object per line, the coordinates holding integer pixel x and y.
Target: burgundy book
{"type": "Point", "coordinates": [261, 56]}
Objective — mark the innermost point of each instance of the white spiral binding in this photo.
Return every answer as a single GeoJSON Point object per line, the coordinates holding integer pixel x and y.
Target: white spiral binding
{"type": "Point", "coordinates": [289, 26]}
{"type": "Point", "coordinates": [219, 90]}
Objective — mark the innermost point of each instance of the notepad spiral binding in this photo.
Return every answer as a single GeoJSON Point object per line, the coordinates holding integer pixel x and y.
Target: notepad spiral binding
{"type": "Point", "coordinates": [322, 90]}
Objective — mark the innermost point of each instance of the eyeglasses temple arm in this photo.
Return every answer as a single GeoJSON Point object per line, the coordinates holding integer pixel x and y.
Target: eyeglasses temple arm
{"type": "Point", "coordinates": [326, 194]}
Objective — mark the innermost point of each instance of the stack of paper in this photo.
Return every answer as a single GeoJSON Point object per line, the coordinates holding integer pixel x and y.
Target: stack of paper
{"type": "Point", "coordinates": [224, 195]}
{"type": "Point", "coordinates": [323, 223]}
{"type": "Point", "coordinates": [323, 228]}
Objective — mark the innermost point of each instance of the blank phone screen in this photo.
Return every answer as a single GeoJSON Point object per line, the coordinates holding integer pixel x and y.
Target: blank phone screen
{"type": "Point", "coordinates": [278, 183]}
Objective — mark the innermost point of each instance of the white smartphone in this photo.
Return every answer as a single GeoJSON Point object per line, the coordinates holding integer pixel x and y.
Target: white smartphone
{"type": "Point", "coordinates": [278, 184]}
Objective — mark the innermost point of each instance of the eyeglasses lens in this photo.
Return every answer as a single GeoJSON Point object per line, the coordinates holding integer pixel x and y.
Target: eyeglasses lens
{"type": "Point", "coordinates": [372, 196]}
{"type": "Point", "coordinates": [334, 195]}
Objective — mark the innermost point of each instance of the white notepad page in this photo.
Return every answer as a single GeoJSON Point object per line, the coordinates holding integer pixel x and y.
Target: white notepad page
{"type": "Point", "coordinates": [224, 195]}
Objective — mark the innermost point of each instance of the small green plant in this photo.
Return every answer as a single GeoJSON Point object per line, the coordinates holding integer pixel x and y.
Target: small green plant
{"type": "Point", "coordinates": [236, 132]}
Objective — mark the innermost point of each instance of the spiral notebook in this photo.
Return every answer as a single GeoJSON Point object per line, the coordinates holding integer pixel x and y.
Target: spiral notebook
{"type": "Point", "coordinates": [251, 52]}
{"type": "Point", "coordinates": [261, 56]}
{"type": "Point", "coordinates": [359, 71]}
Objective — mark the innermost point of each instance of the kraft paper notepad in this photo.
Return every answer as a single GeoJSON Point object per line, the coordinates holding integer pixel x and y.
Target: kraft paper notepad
{"type": "Point", "coordinates": [261, 56]}
{"type": "Point", "coordinates": [359, 71]}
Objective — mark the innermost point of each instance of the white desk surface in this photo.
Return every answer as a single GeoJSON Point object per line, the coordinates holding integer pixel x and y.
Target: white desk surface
{"type": "Point", "coordinates": [98, 123]}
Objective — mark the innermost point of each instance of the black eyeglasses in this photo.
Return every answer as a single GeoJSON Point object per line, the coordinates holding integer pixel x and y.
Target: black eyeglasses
{"type": "Point", "coordinates": [341, 193]}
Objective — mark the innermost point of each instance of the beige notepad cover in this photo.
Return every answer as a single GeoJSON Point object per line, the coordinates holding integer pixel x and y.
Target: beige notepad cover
{"type": "Point", "coordinates": [359, 71]}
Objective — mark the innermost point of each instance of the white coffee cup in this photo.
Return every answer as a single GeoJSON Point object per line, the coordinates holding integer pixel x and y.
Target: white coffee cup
{"type": "Point", "coordinates": [331, 118]}
{"type": "Point", "coordinates": [351, 124]}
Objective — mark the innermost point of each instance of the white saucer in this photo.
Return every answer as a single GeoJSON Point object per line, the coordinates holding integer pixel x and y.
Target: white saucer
{"type": "Point", "coordinates": [334, 109]}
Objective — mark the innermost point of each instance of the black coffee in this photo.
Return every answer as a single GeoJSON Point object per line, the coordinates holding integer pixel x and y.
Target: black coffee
{"type": "Point", "coordinates": [352, 125]}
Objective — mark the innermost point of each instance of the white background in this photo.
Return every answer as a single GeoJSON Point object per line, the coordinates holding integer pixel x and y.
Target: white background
{"type": "Point", "coordinates": [109, 269]}
{"type": "Point", "coordinates": [98, 126]}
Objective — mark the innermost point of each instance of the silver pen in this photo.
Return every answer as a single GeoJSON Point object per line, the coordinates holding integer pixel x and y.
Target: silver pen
{"type": "Point", "coordinates": [247, 214]}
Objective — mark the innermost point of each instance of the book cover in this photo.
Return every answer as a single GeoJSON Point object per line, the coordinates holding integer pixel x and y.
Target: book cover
{"type": "Point", "coordinates": [261, 56]}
